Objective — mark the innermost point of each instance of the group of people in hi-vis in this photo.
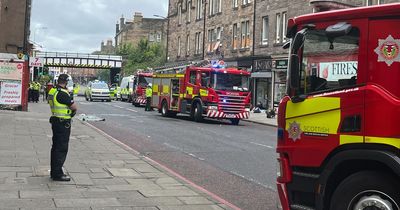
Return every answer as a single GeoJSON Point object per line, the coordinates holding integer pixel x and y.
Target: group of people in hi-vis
{"type": "Point", "coordinates": [34, 91]}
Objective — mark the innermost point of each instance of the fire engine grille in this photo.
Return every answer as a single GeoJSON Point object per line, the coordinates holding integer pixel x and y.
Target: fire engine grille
{"type": "Point", "coordinates": [232, 104]}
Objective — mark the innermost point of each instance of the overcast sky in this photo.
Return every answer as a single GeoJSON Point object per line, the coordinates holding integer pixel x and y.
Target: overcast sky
{"type": "Point", "coordinates": [81, 25]}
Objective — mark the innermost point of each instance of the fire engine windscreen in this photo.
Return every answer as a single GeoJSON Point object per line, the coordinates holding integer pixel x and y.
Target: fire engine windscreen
{"type": "Point", "coordinates": [329, 63]}
{"type": "Point", "coordinates": [230, 82]}
{"type": "Point", "coordinates": [144, 81]}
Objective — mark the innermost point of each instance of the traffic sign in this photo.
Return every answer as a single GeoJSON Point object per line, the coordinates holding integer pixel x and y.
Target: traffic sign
{"type": "Point", "coordinates": [36, 62]}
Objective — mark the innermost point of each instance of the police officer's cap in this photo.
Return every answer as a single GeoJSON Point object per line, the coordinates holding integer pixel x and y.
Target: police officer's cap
{"type": "Point", "coordinates": [63, 78]}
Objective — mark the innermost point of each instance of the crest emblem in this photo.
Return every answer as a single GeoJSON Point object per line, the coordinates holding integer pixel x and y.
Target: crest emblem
{"type": "Point", "coordinates": [294, 131]}
{"type": "Point", "coordinates": [388, 50]}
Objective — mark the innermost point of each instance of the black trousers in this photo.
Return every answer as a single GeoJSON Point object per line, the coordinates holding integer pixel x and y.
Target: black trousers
{"type": "Point", "coordinates": [148, 104]}
{"type": "Point", "coordinates": [30, 95]}
{"type": "Point", "coordinates": [61, 131]}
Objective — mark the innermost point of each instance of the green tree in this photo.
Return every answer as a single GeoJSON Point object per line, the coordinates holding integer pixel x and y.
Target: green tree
{"type": "Point", "coordinates": [144, 55]}
{"type": "Point", "coordinates": [103, 75]}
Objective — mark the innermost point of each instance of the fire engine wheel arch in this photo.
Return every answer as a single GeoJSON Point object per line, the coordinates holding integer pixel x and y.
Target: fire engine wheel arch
{"type": "Point", "coordinates": [165, 112]}
{"type": "Point", "coordinates": [196, 112]}
{"type": "Point", "coordinates": [345, 163]}
{"type": "Point", "coordinates": [358, 192]}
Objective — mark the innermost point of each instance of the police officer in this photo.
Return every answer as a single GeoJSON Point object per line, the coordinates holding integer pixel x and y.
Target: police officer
{"type": "Point", "coordinates": [149, 93]}
{"type": "Point", "coordinates": [63, 109]}
{"type": "Point", "coordinates": [36, 89]}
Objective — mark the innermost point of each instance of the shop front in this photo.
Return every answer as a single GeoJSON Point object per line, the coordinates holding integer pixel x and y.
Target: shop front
{"type": "Point", "coordinates": [261, 80]}
{"type": "Point", "coordinates": [279, 79]}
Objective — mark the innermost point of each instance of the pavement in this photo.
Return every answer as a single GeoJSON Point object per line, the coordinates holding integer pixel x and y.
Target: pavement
{"type": "Point", "coordinates": [105, 173]}
{"type": "Point", "coordinates": [261, 118]}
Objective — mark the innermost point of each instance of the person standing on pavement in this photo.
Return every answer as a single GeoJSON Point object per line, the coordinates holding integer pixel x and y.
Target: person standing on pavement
{"type": "Point", "coordinates": [63, 109]}
{"type": "Point", "coordinates": [36, 89]}
{"type": "Point", "coordinates": [149, 93]}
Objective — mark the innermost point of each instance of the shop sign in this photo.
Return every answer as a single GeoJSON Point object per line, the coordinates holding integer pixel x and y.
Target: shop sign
{"type": "Point", "coordinates": [11, 71]}
{"type": "Point", "coordinates": [281, 64]}
{"type": "Point", "coordinates": [334, 71]}
{"type": "Point", "coordinates": [36, 62]}
{"type": "Point", "coordinates": [262, 65]}
{"type": "Point", "coordinates": [10, 93]}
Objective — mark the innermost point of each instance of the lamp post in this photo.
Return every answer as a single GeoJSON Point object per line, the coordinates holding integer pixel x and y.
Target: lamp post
{"type": "Point", "coordinates": [166, 50]}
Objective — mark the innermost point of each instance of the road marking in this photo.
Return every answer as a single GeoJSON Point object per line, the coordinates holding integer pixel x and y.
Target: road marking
{"type": "Point", "coordinates": [118, 106]}
{"type": "Point", "coordinates": [262, 145]}
{"type": "Point", "coordinates": [132, 110]}
{"type": "Point", "coordinates": [253, 180]}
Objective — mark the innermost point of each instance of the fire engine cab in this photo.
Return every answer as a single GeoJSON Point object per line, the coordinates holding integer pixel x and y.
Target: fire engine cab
{"type": "Point", "coordinates": [339, 125]}
{"type": "Point", "coordinates": [142, 79]}
{"type": "Point", "coordinates": [213, 92]}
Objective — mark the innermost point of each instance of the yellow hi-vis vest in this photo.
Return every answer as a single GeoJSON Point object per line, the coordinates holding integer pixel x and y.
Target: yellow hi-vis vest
{"type": "Point", "coordinates": [149, 92]}
{"type": "Point", "coordinates": [57, 109]}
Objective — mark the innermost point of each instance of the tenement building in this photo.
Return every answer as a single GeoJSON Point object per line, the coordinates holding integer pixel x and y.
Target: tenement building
{"type": "Point", "coordinates": [244, 33]}
{"type": "Point", "coordinates": [132, 31]}
{"type": "Point", "coordinates": [14, 24]}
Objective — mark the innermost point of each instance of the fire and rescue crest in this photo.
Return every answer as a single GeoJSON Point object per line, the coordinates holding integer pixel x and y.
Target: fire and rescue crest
{"type": "Point", "coordinates": [294, 131]}
{"type": "Point", "coordinates": [388, 50]}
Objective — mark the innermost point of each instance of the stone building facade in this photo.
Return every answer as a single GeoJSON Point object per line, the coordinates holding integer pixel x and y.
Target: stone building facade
{"type": "Point", "coordinates": [132, 31]}
{"type": "Point", "coordinates": [244, 33]}
{"type": "Point", "coordinates": [210, 29]}
{"type": "Point", "coordinates": [15, 23]}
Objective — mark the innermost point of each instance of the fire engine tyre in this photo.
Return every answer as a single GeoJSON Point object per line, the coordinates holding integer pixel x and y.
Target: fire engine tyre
{"type": "Point", "coordinates": [164, 109]}
{"type": "Point", "coordinates": [367, 190]}
{"type": "Point", "coordinates": [235, 121]}
{"type": "Point", "coordinates": [198, 112]}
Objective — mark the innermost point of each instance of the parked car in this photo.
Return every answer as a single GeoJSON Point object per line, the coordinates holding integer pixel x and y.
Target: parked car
{"type": "Point", "coordinates": [97, 91]}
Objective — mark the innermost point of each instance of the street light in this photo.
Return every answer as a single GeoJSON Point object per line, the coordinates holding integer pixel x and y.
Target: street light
{"type": "Point", "coordinates": [166, 50]}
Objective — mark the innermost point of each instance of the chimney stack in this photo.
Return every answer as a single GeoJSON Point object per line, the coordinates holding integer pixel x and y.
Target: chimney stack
{"type": "Point", "coordinates": [137, 18]}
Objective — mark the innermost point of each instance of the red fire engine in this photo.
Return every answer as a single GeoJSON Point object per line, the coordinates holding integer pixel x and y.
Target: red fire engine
{"type": "Point", "coordinates": [142, 79]}
{"type": "Point", "coordinates": [220, 93]}
{"type": "Point", "coordinates": [338, 126]}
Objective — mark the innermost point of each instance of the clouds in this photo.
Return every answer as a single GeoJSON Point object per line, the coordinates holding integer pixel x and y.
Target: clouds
{"type": "Point", "coordinates": [81, 25]}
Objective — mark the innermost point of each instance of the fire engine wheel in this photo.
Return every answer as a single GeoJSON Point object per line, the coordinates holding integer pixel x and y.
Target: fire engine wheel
{"type": "Point", "coordinates": [86, 98]}
{"type": "Point", "coordinates": [367, 190]}
{"type": "Point", "coordinates": [164, 109]}
{"type": "Point", "coordinates": [198, 112]}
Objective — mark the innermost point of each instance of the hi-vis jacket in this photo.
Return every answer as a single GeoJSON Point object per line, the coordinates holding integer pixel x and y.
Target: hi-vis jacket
{"type": "Point", "coordinates": [57, 109]}
{"type": "Point", "coordinates": [149, 92]}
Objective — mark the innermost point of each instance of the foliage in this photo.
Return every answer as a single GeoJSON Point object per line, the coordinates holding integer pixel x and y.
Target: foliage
{"type": "Point", "coordinates": [143, 56]}
{"type": "Point", "coordinates": [103, 75]}
{"type": "Point", "coordinates": [43, 79]}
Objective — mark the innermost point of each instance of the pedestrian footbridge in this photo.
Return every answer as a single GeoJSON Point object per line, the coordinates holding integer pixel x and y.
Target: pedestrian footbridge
{"type": "Point", "coordinates": [79, 60]}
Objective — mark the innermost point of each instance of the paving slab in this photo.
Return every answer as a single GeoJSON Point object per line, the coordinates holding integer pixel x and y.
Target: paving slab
{"type": "Point", "coordinates": [89, 202]}
{"type": "Point", "coordinates": [104, 174]}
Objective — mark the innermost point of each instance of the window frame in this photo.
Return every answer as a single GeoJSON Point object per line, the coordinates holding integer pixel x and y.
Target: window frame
{"type": "Point", "coordinates": [278, 28]}
{"type": "Point", "coordinates": [234, 36]}
{"type": "Point", "coordinates": [265, 30]}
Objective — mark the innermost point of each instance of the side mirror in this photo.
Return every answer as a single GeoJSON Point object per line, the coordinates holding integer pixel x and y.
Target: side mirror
{"type": "Point", "coordinates": [298, 40]}
{"type": "Point", "coordinates": [294, 69]}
